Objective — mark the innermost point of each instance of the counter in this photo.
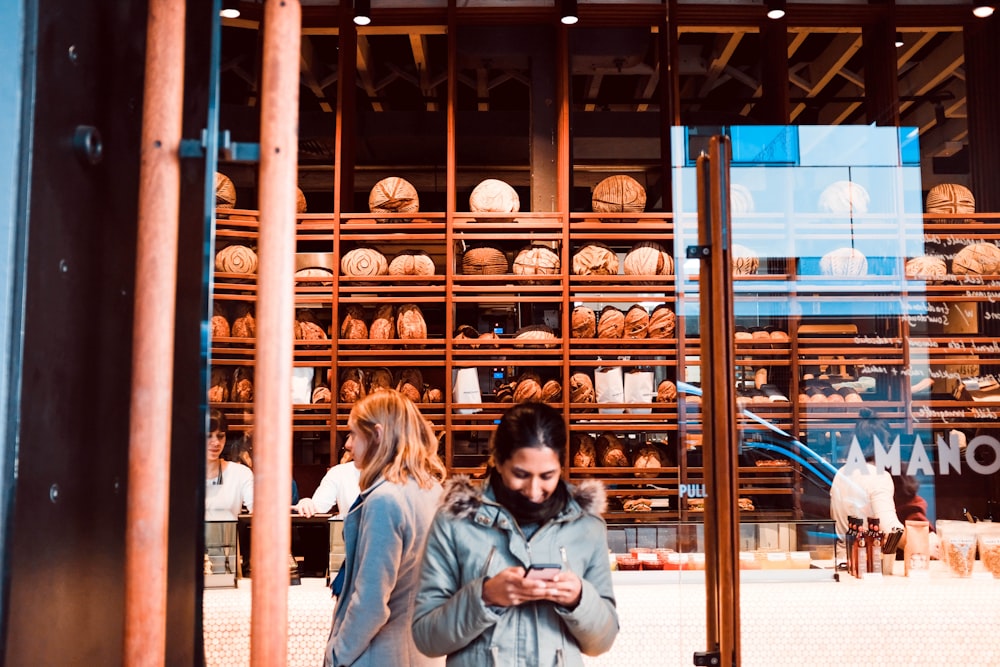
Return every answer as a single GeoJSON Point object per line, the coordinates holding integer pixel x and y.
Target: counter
{"type": "Point", "coordinates": [788, 618]}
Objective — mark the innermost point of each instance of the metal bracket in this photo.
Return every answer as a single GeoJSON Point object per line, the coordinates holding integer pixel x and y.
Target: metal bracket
{"type": "Point", "coordinates": [698, 252]}
{"type": "Point", "coordinates": [707, 658]}
{"type": "Point", "coordinates": [229, 150]}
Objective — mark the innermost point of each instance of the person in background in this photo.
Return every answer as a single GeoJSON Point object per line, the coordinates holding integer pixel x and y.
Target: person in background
{"type": "Point", "coordinates": [476, 603]}
{"type": "Point", "coordinates": [384, 533]}
{"type": "Point", "coordinates": [339, 486]}
{"type": "Point", "coordinates": [228, 485]}
{"type": "Point", "coordinates": [862, 490]}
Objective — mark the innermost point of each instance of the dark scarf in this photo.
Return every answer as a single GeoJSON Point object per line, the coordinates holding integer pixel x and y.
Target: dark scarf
{"type": "Point", "coordinates": [525, 511]}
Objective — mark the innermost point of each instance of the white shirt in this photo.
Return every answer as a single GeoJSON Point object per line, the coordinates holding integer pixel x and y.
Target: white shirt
{"type": "Point", "coordinates": [223, 501]}
{"type": "Point", "coordinates": [862, 493]}
{"type": "Point", "coordinates": [340, 487]}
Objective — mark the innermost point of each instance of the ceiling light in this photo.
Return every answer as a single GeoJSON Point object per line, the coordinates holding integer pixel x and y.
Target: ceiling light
{"type": "Point", "coordinates": [775, 9]}
{"type": "Point", "coordinates": [568, 13]}
{"type": "Point", "coordinates": [982, 10]}
{"type": "Point", "coordinates": [230, 9]}
{"type": "Point", "coordinates": [362, 12]}
{"type": "Point", "coordinates": [899, 39]}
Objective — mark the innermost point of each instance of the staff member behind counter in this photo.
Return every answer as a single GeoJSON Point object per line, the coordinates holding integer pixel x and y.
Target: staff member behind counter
{"type": "Point", "coordinates": [340, 486]}
{"type": "Point", "coordinates": [228, 485]}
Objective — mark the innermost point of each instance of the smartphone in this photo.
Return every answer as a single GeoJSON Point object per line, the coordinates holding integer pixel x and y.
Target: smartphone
{"type": "Point", "coordinates": [543, 571]}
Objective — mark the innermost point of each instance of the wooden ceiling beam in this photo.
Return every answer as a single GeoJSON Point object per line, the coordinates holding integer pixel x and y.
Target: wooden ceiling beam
{"type": "Point", "coordinates": [364, 72]}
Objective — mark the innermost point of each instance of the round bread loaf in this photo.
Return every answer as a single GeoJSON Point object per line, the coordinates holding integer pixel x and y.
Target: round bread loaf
{"type": "Point", "coordinates": [465, 333]}
{"type": "Point", "coordinates": [950, 198]}
{"type": "Point", "coordinates": [551, 391]}
{"type": "Point", "coordinates": [379, 379]}
{"type": "Point", "coordinates": [350, 391]}
{"type": "Point", "coordinates": [844, 197]}
{"type": "Point", "coordinates": [666, 392]}
{"type": "Point", "coordinates": [308, 328]}
{"type": "Point", "coordinates": [432, 395]}
{"type": "Point", "coordinates": [662, 322]}
{"type": "Point", "coordinates": [410, 323]}
{"type": "Point", "coordinates": [363, 263]}
{"type": "Point", "coordinates": [528, 388]}
{"type": "Point", "coordinates": [488, 336]}
{"type": "Point", "coordinates": [740, 199]}
{"type": "Point", "coordinates": [611, 451]}
{"type": "Point", "coordinates": [236, 259]}
{"type": "Point", "coordinates": [317, 275]}
{"type": "Point", "coordinates": [778, 336]}
{"type": "Point", "coordinates": [411, 384]}
{"type": "Point", "coordinates": [321, 394]}
{"type": "Point", "coordinates": [926, 267]}
{"type": "Point", "coordinates": [505, 392]}
{"type": "Point", "coordinates": [383, 326]}
{"type": "Point", "coordinates": [619, 194]}
{"type": "Point", "coordinates": [595, 259]}
{"type": "Point", "coordinates": [647, 457]}
{"type": "Point", "coordinates": [581, 388]}
{"type": "Point", "coordinates": [242, 391]}
{"type": "Point", "coordinates": [583, 322]}
{"type": "Point", "coordinates": [393, 195]}
{"type": "Point", "coordinates": [300, 201]}
{"type": "Point", "coordinates": [354, 326]}
{"type": "Point", "coordinates": [977, 259]}
{"type": "Point", "coordinates": [844, 262]}
{"type": "Point", "coordinates": [611, 323]}
{"type": "Point", "coordinates": [494, 196]}
{"type": "Point", "coordinates": [535, 332]}
{"type": "Point", "coordinates": [584, 451]}
{"type": "Point", "coordinates": [245, 326]}
{"type": "Point", "coordinates": [745, 260]}
{"type": "Point", "coordinates": [636, 323]}
{"type": "Point", "coordinates": [220, 326]}
{"type": "Point", "coordinates": [648, 258]}
{"type": "Point", "coordinates": [225, 191]}
{"type": "Point", "coordinates": [536, 260]}
{"type": "Point", "coordinates": [412, 263]}
{"type": "Point", "coordinates": [484, 261]}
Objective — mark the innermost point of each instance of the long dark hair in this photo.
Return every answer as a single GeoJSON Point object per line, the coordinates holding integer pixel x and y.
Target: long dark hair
{"type": "Point", "coordinates": [869, 427]}
{"type": "Point", "coordinates": [528, 424]}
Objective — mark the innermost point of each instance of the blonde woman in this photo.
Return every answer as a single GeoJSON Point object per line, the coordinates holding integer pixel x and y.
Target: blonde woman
{"type": "Point", "coordinates": [384, 533]}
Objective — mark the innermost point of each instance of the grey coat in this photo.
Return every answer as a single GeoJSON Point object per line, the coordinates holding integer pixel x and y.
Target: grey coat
{"type": "Point", "coordinates": [383, 537]}
{"type": "Point", "coordinates": [473, 538]}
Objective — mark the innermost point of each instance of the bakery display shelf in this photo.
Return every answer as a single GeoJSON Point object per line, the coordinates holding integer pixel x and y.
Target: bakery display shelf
{"type": "Point", "coordinates": [657, 417]}
{"type": "Point", "coordinates": [660, 286]}
{"type": "Point", "coordinates": [507, 223]}
{"type": "Point", "coordinates": [418, 351]}
{"type": "Point", "coordinates": [373, 295]}
{"type": "Point", "coordinates": [510, 288]}
{"type": "Point", "coordinates": [979, 289]}
{"type": "Point", "coordinates": [623, 236]}
{"type": "Point", "coordinates": [379, 224]}
{"type": "Point", "coordinates": [663, 352]}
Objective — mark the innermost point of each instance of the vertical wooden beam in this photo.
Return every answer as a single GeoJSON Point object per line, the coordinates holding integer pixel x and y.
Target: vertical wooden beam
{"type": "Point", "coordinates": [275, 345]}
{"type": "Point", "coordinates": [150, 415]}
{"type": "Point", "coordinates": [773, 107]}
{"type": "Point", "coordinates": [881, 76]}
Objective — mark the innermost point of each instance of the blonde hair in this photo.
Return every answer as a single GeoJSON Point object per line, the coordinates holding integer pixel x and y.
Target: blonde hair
{"type": "Point", "coordinates": [407, 446]}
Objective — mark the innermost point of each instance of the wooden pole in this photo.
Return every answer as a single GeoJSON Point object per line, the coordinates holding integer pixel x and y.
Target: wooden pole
{"type": "Point", "coordinates": [717, 329]}
{"type": "Point", "coordinates": [271, 543]}
{"type": "Point", "coordinates": [150, 412]}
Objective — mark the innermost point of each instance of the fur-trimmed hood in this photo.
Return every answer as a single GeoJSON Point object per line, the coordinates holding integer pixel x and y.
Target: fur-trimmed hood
{"type": "Point", "coordinates": [463, 497]}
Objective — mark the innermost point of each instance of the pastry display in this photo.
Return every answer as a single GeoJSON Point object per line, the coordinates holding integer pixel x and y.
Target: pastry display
{"type": "Point", "coordinates": [236, 259]}
{"type": "Point", "coordinates": [583, 322]}
{"type": "Point", "coordinates": [411, 263]}
{"type": "Point", "coordinates": [225, 191]}
{"type": "Point", "coordinates": [363, 263]}
{"type": "Point", "coordinates": [844, 263]}
{"type": "Point", "coordinates": [619, 194]}
{"type": "Point", "coordinates": [595, 259]}
{"type": "Point", "coordinates": [393, 195]}
{"type": "Point", "coordinates": [648, 258]}
{"type": "Point", "coordinates": [536, 260]}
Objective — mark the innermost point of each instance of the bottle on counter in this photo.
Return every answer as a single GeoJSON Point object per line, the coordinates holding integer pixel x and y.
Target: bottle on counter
{"type": "Point", "coordinates": [852, 547]}
{"type": "Point", "coordinates": [861, 544]}
{"type": "Point", "coordinates": [875, 539]}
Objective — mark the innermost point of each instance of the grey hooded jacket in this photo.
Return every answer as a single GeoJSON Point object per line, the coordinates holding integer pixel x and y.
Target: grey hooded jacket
{"type": "Point", "coordinates": [473, 538]}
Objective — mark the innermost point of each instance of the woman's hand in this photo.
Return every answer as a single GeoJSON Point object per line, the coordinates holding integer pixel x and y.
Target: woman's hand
{"type": "Point", "coordinates": [510, 588]}
{"type": "Point", "coordinates": [305, 507]}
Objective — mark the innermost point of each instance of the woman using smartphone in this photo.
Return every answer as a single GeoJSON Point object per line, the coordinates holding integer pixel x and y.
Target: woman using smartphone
{"type": "Point", "coordinates": [516, 571]}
